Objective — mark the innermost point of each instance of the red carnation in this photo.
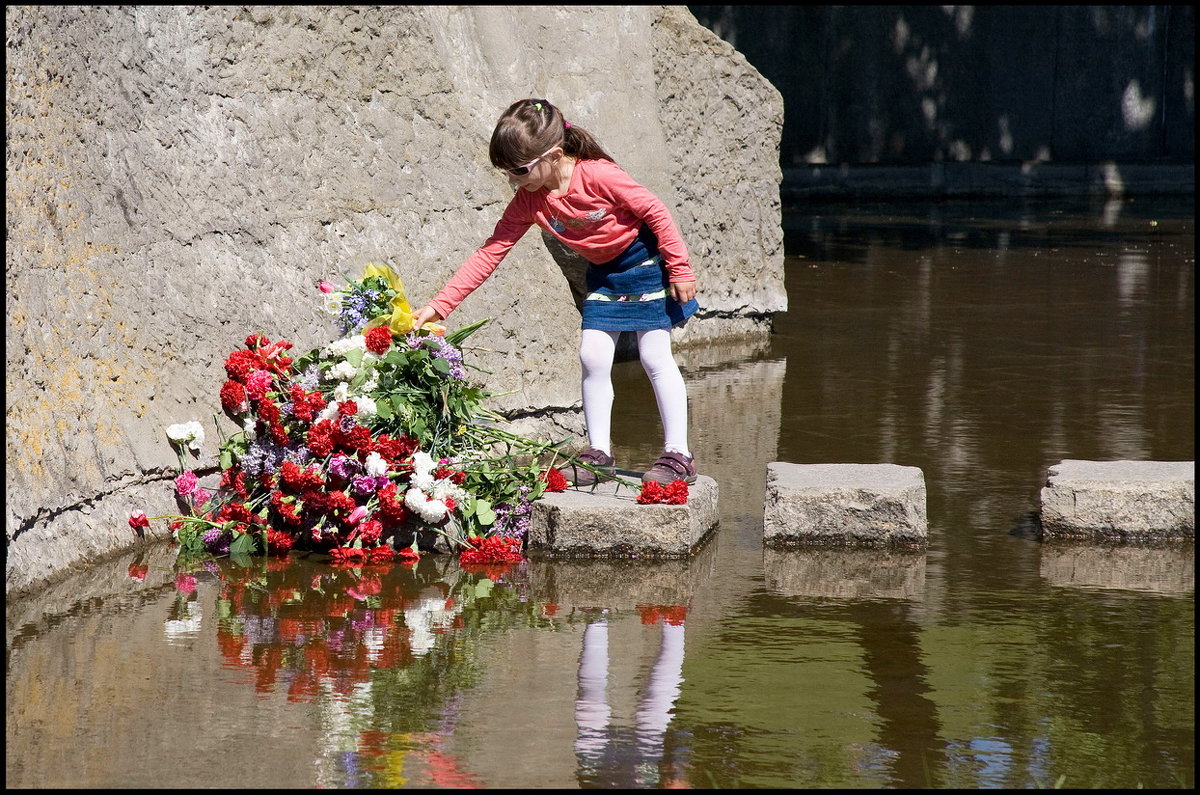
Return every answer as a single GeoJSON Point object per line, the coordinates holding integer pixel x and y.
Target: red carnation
{"type": "Point", "coordinates": [370, 531]}
{"type": "Point", "coordinates": [677, 493]}
{"type": "Point", "coordinates": [381, 554]}
{"type": "Point", "coordinates": [240, 364]}
{"type": "Point", "coordinates": [674, 493]}
{"type": "Point", "coordinates": [555, 480]}
{"type": "Point", "coordinates": [652, 492]}
{"type": "Point", "coordinates": [378, 340]}
{"type": "Point", "coordinates": [408, 555]}
{"type": "Point", "coordinates": [278, 542]}
{"type": "Point", "coordinates": [348, 556]}
{"type": "Point", "coordinates": [492, 549]}
{"type": "Point", "coordinates": [234, 398]}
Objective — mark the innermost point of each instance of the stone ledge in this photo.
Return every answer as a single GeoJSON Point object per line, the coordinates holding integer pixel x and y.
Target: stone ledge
{"type": "Point", "coordinates": [1119, 500]}
{"type": "Point", "coordinates": [608, 522]}
{"type": "Point", "coordinates": [845, 505]}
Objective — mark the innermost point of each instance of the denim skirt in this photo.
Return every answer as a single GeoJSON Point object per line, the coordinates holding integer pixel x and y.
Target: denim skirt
{"type": "Point", "coordinates": [631, 292]}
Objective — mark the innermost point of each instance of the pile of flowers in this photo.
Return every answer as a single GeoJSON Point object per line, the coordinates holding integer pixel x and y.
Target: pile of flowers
{"type": "Point", "coordinates": [364, 449]}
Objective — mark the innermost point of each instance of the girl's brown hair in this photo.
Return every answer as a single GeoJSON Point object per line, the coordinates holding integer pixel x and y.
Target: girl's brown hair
{"type": "Point", "coordinates": [530, 127]}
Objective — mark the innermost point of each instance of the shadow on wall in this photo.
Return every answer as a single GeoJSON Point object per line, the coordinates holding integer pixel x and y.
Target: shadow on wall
{"type": "Point", "coordinates": [918, 84]}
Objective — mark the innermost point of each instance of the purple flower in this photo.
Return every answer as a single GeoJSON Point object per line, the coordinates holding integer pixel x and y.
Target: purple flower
{"type": "Point", "coordinates": [364, 484]}
{"type": "Point", "coordinates": [215, 541]}
{"type": "Point", "coordinates": [344, 467]}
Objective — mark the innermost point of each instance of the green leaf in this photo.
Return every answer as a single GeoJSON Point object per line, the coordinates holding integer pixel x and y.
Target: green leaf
{"type": "Point", "coordinates": [456, 337]}
{"type": "Point", "coordinates": [355, 357]}
{"type": "Point", "coordinates": [483, 510]}
{"type": "Point", "coordinates": [483, 588]}
{"type": "Point", "coordinates": [242, 545]}
{"type": "Point", "coordinates": [383, 408]}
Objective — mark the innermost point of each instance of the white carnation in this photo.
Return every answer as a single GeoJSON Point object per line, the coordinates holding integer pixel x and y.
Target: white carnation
{"type": "Point", "coordinates": [343, 346]}
{"type": "Point", "coordinates": [189, 433]}
{"type": "Point", "coordinates": [330, 411]}
{"type": "Point", "coordinates": [341, 393]}
{"type": "Point", "coordinates": [432, 511]}
{"type": "Point", "coordinates": [342, 371]}
{"type": "Point", "coordinates": [376, 465]}
{"type": "Point", "coordinates": [366, 407]}
{"type": "Point", "coordinates": [445, 488]}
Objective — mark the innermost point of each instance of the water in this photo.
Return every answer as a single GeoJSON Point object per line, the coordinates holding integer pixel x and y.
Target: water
{"type": "Point", "coordinates": [979, 342]}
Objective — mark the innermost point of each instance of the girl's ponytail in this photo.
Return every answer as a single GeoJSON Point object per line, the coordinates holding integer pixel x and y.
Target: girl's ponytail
{"type": "Point", "coordinates": [579, 143]}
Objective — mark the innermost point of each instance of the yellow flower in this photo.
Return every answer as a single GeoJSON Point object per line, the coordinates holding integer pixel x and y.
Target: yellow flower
{"type": "Point", "coordinates": [400, 321]}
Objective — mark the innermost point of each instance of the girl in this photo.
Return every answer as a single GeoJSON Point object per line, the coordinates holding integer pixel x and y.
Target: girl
{"type": "Point", "coordinates": [639, 278]}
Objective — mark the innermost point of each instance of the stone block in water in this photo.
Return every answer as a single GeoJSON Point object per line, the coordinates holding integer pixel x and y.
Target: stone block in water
{"type": "Point", "coordinates": [1119, 500]}
{"type": "Point", "coordinates": [845, 504]}
{"type": "Point", "coordinates": [609, 522]}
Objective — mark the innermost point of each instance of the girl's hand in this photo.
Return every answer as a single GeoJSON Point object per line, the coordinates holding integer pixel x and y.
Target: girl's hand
{"type": "Point", "coordinates": [683, 291]}
{"type": "Point", "coordinates": [425, 314]}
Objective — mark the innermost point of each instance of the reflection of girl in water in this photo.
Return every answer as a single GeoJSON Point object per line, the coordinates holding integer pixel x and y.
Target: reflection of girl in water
{"type": "Point", "coordinates": [609, 756]}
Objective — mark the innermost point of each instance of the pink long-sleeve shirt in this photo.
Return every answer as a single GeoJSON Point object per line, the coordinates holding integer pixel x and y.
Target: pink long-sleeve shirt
{"type": "Point", "coordinates": [598, 217]}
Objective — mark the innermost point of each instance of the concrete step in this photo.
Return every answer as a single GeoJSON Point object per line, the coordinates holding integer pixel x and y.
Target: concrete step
{"type": "Point", "coordinates": [607, 521]}
{"type": "Point", "coordinates": [1119, 500]}
{"type": "Point", "coordinates": [845, 504]}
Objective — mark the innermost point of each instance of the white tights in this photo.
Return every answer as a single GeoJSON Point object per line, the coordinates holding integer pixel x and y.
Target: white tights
{"type": "Point", "coordinates": [596, 352]}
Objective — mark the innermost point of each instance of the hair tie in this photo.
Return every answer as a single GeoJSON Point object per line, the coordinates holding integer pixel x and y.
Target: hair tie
{"type": "Point", "coordinates": [566, 125]}
{"type": "Point", "coordinates": [538, 105]}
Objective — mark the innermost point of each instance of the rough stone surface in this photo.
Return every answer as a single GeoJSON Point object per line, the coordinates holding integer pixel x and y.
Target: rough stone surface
{"type": "Point", "coordinates": [180, 176]}
{"type": "Point", "coordinates": [851, 504]}
{"type": "Point", "coordinates": [1119, 500]}
{"type": "Point", "coordinates": [608, 521]}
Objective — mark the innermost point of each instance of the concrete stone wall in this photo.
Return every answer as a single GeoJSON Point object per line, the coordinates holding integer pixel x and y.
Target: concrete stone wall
{"type": "Point", "coordinates": [1003, 86]}
{"type": "Point", "coordinates": [179, 177]}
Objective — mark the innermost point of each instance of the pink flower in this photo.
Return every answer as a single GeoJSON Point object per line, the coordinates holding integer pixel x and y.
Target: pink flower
{"type": "Point", "coordinates": [185, 584]}
{"type": "Point", "coordinates": [186, 484]}
{"type": "Point", "coordinates": [259, 383]}
{"type": "Point", "coordinates": [325, 287]}
{"type": "Point", "coordinates": [200, 497]}
{"type": "Point", "coordinates": [138, 521]}
{"type": "Point", "coordinates": [357, 515]}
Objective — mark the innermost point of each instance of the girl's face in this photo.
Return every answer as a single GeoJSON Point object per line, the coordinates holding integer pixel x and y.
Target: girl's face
{"type": "Point", "coordinates": [536, 174]}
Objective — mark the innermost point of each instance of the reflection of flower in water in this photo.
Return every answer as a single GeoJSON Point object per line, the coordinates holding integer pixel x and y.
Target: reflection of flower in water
{"type": "Point", "coordinates": [187, 626]}
{"type": "Point", "coordinates": [427, 618]}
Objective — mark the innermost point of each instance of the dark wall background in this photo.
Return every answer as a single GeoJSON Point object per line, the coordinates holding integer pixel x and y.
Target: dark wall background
{"type": "Point", "coordinates": [907, 85]}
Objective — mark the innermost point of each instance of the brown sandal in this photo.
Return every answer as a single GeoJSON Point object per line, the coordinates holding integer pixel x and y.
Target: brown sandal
{"type": "Point", "coordinates": [670, 467]}
{"type": "Point", "coordinates": [581, 476]}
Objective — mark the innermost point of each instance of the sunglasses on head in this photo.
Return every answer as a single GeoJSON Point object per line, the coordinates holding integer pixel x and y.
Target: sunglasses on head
{"type": "Point", "coordinates": [521, 171]}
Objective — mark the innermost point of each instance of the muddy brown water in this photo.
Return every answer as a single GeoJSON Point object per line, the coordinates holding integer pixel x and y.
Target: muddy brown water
{"type": "Point", "coordinates": [981, 342]}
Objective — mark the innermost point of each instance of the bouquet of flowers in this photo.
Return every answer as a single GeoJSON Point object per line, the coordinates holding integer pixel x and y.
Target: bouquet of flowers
{"type": "Point", "coordinates": [363, 449]}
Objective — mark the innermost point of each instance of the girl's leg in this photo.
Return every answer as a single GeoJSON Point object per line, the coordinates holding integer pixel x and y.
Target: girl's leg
{"type": "Point", "coordinates": [654, 349]}
{"type": "Point", "coordinates": [596, 351]}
